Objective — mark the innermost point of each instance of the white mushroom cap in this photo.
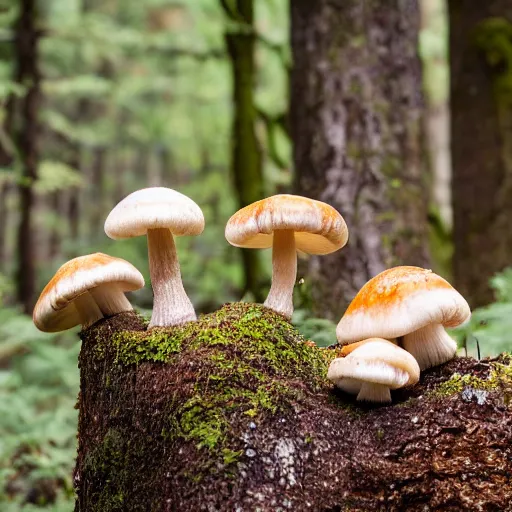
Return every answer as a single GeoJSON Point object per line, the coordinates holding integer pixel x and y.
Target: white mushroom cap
{"type": "Point", "coordinates": [318, 227]}
{"type": "Point", "coordinates": [154, 208]}
{"type": "Point", "coordinates": [104, 276]}
{"type": "Point", "coordinates": [373, 368]}
{"type": "Point", "coordinates": [402, 301]}
{"type": "Point", "coordinates": [160, 213]}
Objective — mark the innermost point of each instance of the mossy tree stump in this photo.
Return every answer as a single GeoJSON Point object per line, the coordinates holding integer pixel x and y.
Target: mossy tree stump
{"type": "Point", "coordinates": [233, 413]}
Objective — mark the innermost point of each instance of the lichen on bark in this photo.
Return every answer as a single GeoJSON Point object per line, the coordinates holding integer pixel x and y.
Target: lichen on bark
{"type": "Point", "coordinates": [233, 412]}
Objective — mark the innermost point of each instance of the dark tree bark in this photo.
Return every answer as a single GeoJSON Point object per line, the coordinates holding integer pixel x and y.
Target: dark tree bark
{"type": "Point", "coordinates": [27, 74]}
{"type": "Point", "coordinates": [55, 238]}
{"type": "Point", "coordinates": [74, 193]}
{"type": "Point", "coordinates": [6, 161]}
{"type": "Point", "coordinates": [356, 125]}
{"type": "Point", "coordinates": [481, 110]}
{"type": "Point", "coordinates": [7, 156]}
{"type": "Point", "coordinates": [97, 193]}
{"type": "Point", "coordinates": [246, 163]}
{"type": "Point", "coordinates": [5, 192]}
{"type": "Point", "coordinates": [233, 413]}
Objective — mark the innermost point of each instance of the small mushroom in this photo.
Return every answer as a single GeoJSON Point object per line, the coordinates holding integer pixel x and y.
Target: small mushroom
{"type": "Point", "coordinates": [409, 303]}
{"type": "Point", "coordinates": [160, 213]}
{"type": "Point", "coordinates": [288, 224]}
{"type": "Point", "coordinates": [372, 369]}
{"type": "Point", "coordinates": [84, 290]}
{"type": "Point", "coordinates": [347, 349]}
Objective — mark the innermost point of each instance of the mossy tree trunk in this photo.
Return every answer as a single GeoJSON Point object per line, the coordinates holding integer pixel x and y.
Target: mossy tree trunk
{"type": "Point", "coordinates": [356, 124]}
{"type": "Point", "coordinates": [481, 109]}
{"type": "Point", "coordinates": [233, 413]}
{"type": "Point", "coordinates": [246, 163]}
{"type": "Point", "coordinates": [26, 43]}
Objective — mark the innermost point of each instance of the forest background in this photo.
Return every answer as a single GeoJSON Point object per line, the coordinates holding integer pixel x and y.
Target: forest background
{"type": "Point", "coordinates": [229, 102]}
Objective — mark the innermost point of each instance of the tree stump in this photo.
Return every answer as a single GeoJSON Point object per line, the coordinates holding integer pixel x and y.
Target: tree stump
{"type": "Point", "coordinates": [233, 413]}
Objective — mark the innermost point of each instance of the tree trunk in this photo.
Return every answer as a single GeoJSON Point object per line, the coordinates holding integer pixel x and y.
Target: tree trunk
{"type": "Point", "coordinates": [26, 44]}
{"type": "Point", "coordinates": [246, 165]}
{"type": "Point", "coordinates": [5, 190]}
{"type": "Point", "coordinates": [481, 143]}
{"type": "Point", "coordinates": [356, 125]}
{"type": "Point", "coordinates": [55, 237]}
{"type": "Point", "coordinates": [7, 156]}
{"type": "Point", "coordinates": [233, 412]}
{"type": "Point", "coordinates": [74, 194]}
{"type": "Point", "coordinates": [97, 193]}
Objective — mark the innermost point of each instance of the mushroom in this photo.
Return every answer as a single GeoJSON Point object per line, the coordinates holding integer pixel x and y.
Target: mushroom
{"type": "Point", "coordinates": [347, 349]}
{"type": "Point", "coordinates": [372, 369]}
{"type": "Point", "coordinates": [160, 213]}
{"type": "Point", "coordinates": [409, 302]}
{"type": "Point", "coordinates": [288, 224]}
{"type": "Point", "coordinates": [84, 290]}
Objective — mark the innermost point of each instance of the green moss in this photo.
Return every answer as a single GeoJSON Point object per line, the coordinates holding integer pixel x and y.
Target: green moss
{"type": "Point", "coordinates": [245, 357]}
{"type": "Point", "coordinates": [493, 37]}
{"type": "Point", "coordinates": [499, 378]}
{"type": "Point", "coordinates": [108, 461]}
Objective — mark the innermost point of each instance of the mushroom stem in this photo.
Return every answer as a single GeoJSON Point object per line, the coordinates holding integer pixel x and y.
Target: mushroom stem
{"type": "Point", "coordinates": [87, 310]}
{"type": "Point", "coordinates": [284, 273]}
{"type": "Point", "coordinates": [430, 345]}
{"type": "Point", "coordinates": [371, 392]}
{"type": "Point", "coordinates": [171, 305]}
{"type": "Point", "coordinates": [110, 299]}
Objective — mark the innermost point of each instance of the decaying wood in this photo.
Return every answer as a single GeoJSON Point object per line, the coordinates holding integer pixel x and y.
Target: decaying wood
{"type": "Point", "coordinates": [233, 412]}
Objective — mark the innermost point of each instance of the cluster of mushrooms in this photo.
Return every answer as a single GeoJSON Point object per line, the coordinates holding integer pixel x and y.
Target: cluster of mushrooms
{"type": "Point", "coordinates": [394, 327]}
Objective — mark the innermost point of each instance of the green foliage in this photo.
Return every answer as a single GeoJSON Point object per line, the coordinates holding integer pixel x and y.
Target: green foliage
{"type": "Point", "coordinates": [55, 176]}
{"type": "Point", "coordinates": [494, 38]}
{"type": "Point", "coordinates": [319, 330]}
{"type": "Point", "coordinates": [490, 326]}
{"type": "Point", "coordinates": [433, 47]}
{"type": "Point", "coordinates": [37, 417]}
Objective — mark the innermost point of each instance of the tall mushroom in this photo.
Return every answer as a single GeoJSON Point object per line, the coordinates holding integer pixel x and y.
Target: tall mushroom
{"type": "Point", "coordinates": [372, 369]}
{"type": "Point", "coordinates": [84, 290]}
{"type": "Point", "coordinates": [409, 302]}
{"type": "Point", "coordinates": [160, 213]}
{"type": "Point", "coordinates": [288, 224]}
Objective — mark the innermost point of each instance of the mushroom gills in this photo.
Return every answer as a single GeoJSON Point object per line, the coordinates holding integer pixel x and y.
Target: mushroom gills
{"type": "Point", "coordinates": [371, 392]}
{"type": "Point", "coordinates": [111, 299]}
{"type": "Point", "coordinates": [87, 309]}
{"type": "Point", "coordinates": [350, 386]}
{"type": "Point", "coordinates": [431, 345]}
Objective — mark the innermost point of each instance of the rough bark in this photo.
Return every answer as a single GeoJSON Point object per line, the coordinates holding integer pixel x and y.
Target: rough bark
{"type": "Point", "coordinates": [233, 412]}
{"type": "Point", "coordinates": [356, 123]}
{"type": "Point", "coordinates": [26, 50]}
{"type": "Point", "coordinates": [246, 164]}
{"type": "Point", "coordinates": [481, 64]}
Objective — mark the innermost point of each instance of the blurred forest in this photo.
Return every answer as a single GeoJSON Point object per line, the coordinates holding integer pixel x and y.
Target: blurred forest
{"type": "Point", "coordinates": [230, 101]}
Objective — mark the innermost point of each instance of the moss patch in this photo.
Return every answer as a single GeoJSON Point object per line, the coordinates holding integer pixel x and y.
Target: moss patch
{"type": "Point", "coordinates": [244, 356]}
{"type": "Point", "coordinates": [233, 412]}
{"type": "Point", "coordinates": [497, 378]}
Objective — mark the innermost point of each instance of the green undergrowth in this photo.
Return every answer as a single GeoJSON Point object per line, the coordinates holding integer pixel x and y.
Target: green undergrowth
{"type": "Point", "coordinates": [249, 361]}
{"type": "Point", "coordinates": [499, 378]}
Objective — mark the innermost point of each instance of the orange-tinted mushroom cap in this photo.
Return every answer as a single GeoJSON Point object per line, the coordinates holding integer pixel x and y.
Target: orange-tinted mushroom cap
{"type": "Point", "coordinates": [55, 311]}
{"type": "Point", "coordinates": [318, 227]}
{"type": "Point", "coordinates": [399, 301]}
